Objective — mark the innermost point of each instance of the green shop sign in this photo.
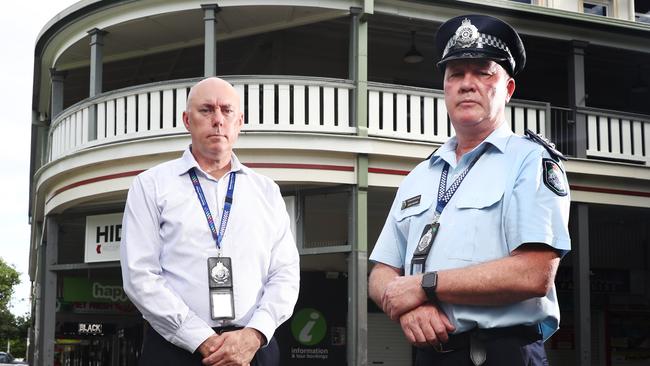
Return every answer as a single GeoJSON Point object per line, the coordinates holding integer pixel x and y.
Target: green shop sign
{"type": "Point", "coordinates": [83, 290]}
{"type": "Point", "coordinates": [308, 326]}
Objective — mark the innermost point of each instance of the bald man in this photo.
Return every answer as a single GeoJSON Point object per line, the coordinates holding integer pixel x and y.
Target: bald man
{"type": "Point", "coordinates": [207, 253]}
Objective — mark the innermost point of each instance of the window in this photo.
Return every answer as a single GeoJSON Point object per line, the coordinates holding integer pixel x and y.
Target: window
{"type": "Point", "coordinates": [596, 8]}
{"type": "Point", "coordinates": [642, 11]}
{"type": "Point", "coordinates": [6, 358]}
{"type": "Point", "coordinates": [326, 218]}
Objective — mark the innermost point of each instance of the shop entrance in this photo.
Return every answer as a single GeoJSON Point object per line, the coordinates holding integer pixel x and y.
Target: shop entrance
{"type": "Point", "coordinates": [95, 344]}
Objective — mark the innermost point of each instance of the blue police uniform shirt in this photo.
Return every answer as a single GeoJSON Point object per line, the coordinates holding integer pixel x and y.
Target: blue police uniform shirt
{"type": "Point", "coordinates": [514, 194]}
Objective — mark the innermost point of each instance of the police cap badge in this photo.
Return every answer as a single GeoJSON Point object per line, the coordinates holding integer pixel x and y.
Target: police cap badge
{"type": "Point", "coordinates": [480, 36]}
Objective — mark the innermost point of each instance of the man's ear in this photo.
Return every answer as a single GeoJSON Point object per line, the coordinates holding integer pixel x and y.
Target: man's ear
{"type": "Point", "coordinates": [240, 121]}
{"type": "Point", "coordinates": [510, 88]}
{"type": "Point", "coordinates": [186, 120]}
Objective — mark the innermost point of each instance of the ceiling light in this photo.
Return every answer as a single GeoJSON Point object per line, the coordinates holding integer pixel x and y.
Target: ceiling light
{"type": "Point", "coordinates": [413, 56]}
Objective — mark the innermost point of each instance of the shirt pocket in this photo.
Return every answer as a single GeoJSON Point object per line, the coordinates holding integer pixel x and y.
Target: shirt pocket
{"type": "Point", "coordinates": [405, 215]}
{"type": "Point", "coordinates": [478, 226]}
{"type": "Point", "coordinates": [411, 221]}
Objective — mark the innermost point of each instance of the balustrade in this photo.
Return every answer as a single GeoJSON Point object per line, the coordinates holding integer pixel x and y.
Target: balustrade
{"type": "Point", "coordinates": [319, 105]}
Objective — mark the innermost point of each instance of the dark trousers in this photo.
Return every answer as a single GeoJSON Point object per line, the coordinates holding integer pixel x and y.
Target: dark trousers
{"type": "Point", "coordinates": [510, 351]}
{"type": "Point", "coordinates": [157, 351]}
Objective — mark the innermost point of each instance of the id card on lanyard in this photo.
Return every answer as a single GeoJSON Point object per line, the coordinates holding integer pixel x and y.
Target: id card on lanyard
{"type": "Point", "coordinates": [431, 230]}
{"type": "Point", "coordinates": [222, 303]}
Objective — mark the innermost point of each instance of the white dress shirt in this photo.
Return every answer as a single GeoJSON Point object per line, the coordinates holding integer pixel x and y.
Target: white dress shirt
{"type": "Point", "coordinates": [166, 242]}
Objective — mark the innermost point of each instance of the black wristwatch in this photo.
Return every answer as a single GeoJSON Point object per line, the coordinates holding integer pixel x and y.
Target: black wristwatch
{"type": "Point", "coordinates": [429, 284]}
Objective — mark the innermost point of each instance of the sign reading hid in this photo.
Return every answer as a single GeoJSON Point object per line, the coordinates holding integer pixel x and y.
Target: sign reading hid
{"type": "Point", "coordinates": [103, 236]}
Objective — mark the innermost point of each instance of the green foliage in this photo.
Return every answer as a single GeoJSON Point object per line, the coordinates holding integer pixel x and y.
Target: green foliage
{"type": "Point", "coordinates": [12, 329]}
{"type": "Point", "coordinates": [9, 278]}
{"type": "Point", "coordinates": [19, 341]}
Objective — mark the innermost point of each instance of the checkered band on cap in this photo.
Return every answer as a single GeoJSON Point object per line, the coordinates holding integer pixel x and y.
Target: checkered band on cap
{"type": "Point", "coordinates": [476, 36]}
{"type": "Point", "coordinates": [480, 41]}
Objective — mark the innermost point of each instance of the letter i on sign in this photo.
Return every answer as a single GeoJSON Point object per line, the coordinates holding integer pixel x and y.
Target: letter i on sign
{"type": "Point", "coordinates": [305, 333]}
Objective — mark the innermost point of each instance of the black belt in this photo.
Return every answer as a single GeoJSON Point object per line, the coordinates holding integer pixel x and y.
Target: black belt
{"type": "Point", "coordinates": [462, 340]}
{"type": "Point", "coordinates": [227, 328]}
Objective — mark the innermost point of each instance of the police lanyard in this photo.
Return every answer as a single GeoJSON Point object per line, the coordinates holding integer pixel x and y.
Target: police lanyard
{"type": "Point", "coordinates": [431, 230]}
{"type": "Point", "coordinates": [217, 235]}
{"type": "Point", "coordinates": [444, 195]}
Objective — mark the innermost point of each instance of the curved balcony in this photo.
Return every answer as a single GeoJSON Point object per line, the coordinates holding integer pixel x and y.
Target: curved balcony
{"type": "Point", "coordinates": [271, 103]}
{"type": "Point", "coordinates": [420, 114]}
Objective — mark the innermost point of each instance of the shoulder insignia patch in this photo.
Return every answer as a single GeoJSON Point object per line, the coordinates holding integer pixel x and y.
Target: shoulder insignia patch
{"type": "Point", "coordinates": [554, 177]}
{"type": "Point", "coordinates": [549, 146]}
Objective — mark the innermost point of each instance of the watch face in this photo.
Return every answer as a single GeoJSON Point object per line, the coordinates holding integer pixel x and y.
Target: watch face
{"type": "Point", "coordinates": [429, 280]}
{"type": "Point", "coordinates": [429, 284]}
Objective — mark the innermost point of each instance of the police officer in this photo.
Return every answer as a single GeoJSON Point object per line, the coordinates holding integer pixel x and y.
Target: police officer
{"type": "Point", "coordinates": [467, 257]}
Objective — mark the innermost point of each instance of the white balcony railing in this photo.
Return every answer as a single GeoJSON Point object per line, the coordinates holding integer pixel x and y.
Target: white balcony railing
{"type": "Point", "coordinates": [270, 104]}
{"type": "Point", "coordinates": [300, 105]}
{"type": "Point", "coordinates": [420, 114]}
{"type": "Point", "coordinates": [136, 112]}
{"type": "Point", "coordinates": [617, 135]}
{"type": "Point", "coordinates": [318, 105]}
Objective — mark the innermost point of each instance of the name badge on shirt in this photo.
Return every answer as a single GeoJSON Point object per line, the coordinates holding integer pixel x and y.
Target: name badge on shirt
{"type": "Point", "coordinates": [222, 302]}
{"type": "Point", "coordinates": [413, 201]}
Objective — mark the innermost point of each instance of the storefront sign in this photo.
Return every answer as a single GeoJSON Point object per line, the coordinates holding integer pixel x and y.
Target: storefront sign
{"type": "Point", "coordinates": [315, 334]}
{"type": "Point", "coordinates": [77, 289]}
{"type": "Point", "coordinates": [103, 236]}
{"type": "Point", "coordinates": [90, 329]}
{"type": "Point", "coordinates": [309, 327]}
{"type": "Point", "coordinates": [123, 308]}
{"type": "Point", "coordinates": [601, 281]}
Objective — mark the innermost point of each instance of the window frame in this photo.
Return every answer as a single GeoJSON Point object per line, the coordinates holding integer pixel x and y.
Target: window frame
{"type": "Point", "coordinates": [607, 4]}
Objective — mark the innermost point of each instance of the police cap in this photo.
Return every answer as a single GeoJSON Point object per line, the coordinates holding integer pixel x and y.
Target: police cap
{"type": "Point", "coordinates": [480, 36]}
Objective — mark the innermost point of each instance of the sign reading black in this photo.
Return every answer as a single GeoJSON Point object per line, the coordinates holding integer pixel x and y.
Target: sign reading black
{"type": "Point", "coordinates": [90, 329]}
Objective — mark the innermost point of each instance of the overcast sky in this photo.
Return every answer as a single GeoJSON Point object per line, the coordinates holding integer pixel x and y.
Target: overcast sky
{"type": "Point", "coordinates": [20, 24]}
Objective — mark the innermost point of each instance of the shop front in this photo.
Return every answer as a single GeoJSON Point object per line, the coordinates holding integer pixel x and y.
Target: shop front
{"type": "Point", "coordinates": [316, 333]}
{"type": "Point", "coordinates": [96, 323]}
{"type": "Point", "coordinates": [619, 289]}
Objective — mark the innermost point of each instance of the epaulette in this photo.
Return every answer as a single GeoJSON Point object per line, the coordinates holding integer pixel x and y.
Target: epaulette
{"type": "Point", "coordinates": [548, 145]}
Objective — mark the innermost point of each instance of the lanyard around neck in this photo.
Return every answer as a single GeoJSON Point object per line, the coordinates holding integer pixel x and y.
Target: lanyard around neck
{"type": "Point", "coordinates": [217, 235]}
{"type": "Point", "coordinates": [444, 195]}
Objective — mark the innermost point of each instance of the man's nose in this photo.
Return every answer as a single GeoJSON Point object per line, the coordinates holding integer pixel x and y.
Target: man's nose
{"type": "Point", "coordinates": [468, 82]}
{"type": "Point", "coordinates": [217, 117]}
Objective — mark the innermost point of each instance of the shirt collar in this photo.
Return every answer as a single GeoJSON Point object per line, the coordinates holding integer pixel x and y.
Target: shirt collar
{"type": "Point", "coordinates": [498, 138]}
{"type": "Point", "coordinates": [188, 162]}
